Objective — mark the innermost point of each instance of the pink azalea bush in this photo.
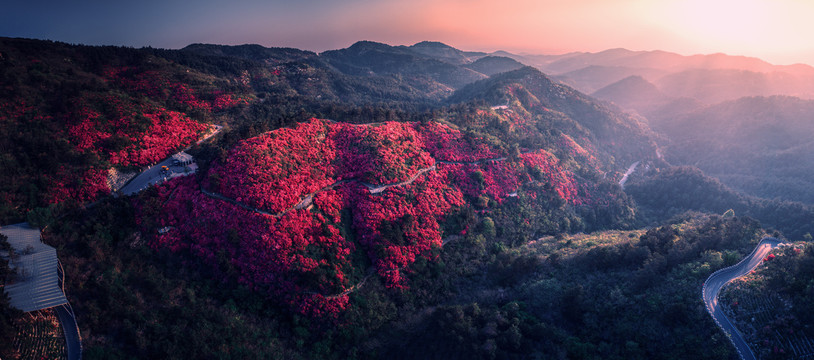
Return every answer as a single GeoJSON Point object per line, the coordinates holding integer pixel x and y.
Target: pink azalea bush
{"type": "Point", "coordinates": [448, 144]}
{"type": "Point", "coordinates": [315, 180]}
{"type": "Point", "coordinates": [299, 258]}
{"type": "Point", "coordinates": [83, 187]}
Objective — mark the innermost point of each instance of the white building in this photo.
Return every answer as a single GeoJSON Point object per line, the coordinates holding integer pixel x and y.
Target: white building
{"type": "Point", "coordinates": [182, 159]}
{"type": "Point", "coordinates": [36, 285]}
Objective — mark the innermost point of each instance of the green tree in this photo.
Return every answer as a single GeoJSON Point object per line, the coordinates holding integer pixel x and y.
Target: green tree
{"type": "Point", "coordinates": [7, 313]}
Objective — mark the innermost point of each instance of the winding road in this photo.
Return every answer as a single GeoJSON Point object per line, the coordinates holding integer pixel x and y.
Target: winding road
{"type": "Point", "coordinates": [719, 279]}
{"type": "Point", "coordinates": [73, 341]}
{"type": "Point", "coordinates": [305, 200]}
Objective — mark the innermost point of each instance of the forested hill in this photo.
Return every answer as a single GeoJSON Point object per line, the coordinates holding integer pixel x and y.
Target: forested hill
{"type": "Point", "coordinates": [678, 189]}
{"type": "Point", "coordinates": [356, 203]}
{"type": "Point", "coordinates": [111, 110]}
{"type": "Point", "coordinates": [626, 137]}
{"type": "Point", "coordinates": [71, 113]}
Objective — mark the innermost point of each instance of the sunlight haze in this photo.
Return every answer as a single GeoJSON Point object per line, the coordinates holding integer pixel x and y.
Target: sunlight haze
{"type": "Point", "coordinates": [772, 30]}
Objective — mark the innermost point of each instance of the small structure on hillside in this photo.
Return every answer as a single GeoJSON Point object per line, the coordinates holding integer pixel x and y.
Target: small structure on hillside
{"type": "Point", "coordinates": [36, 285]}
{"type": "Point", "coordinates": [182, 159]}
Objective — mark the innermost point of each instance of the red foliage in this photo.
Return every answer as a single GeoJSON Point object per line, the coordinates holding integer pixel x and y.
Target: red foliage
{"type": "Point", "coordinates": [493, 179]}
{"type": "Point", "coordinates": [498, 179]}
{"type": "Point", "coordinates": [394, 150]}
{"type": "Point", "coordinates": [185, 95]}
{"type": "Point", "coordinates": [331, 203]}
{"type": "Point", "coordinates": [293, 257]}
{"type": "Point", "coordinates": [300, 256]}
{"type": "Point", "coordinates": [159, 86]}
{"type": "Point", "coordinates": [402, 223]}
{"type": "Point", "coordinates": [447, 144]}
{"type": "Point", "coordinates": [84, 133]}
{"type": "Point", "coordinates": [149, 133]}
{"type": "Point", "coordinates": [319, 306]}
{"type": "Point", "coordinates": [275, 170]}
{"type": "Point", "coordinates": [65, 181]}
{"type": "Point", "coordinates": [83, 186]}
{"type": "Point", "coordinates": [226, 101]}
{"type": "Point", "coordinates": [167, 131]}
{"type": "Point", "coordinates": [548, 166]}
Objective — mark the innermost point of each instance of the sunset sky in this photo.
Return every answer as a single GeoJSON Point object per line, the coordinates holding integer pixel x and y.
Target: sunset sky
{"type": "Point", "coordinates": [774, 30]}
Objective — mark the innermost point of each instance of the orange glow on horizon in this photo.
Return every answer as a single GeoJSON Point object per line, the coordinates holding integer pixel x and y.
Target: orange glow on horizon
{"type": "Point", "coordinates": [761, 28]}
{"type": "Point", "coordinates": [772, 30]}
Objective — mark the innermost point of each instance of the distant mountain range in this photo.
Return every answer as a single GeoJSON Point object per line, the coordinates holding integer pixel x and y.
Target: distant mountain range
{"type": "Point", "coordinates": [714, 110]}
{"type": "Point", "coordinates": [740, 119]}
{"type": "Point", "coordinates": [707, 78]}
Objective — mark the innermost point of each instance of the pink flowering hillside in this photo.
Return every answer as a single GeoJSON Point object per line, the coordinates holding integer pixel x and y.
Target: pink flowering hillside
{"type": "Point", "coordinates": [285, 210]}
{"type": "Point", "coordinates": [65, 120]}
{"type": "Point", "coordinates": [129, 134]}
{"type": "Point", "coordinates": [447, 144]}
{"type": "Point", "coordinates": [300, 258]}
{"type": "Point", "coordinates": [274, 170]}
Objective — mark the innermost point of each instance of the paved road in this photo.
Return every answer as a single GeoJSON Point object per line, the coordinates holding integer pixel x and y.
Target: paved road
{"type": "Point", "coordinates": [73, 345]}
{"type": "Point", "coordinates": [149, 177]}
{"type": "Point", "coordinates": [376, 189]}
{"type": "Point", "coordinates": [716, 281]}
{"type": "Point", "coordinates": [630, 170]}
{"type": "Point", "coordinates": [153, 175]}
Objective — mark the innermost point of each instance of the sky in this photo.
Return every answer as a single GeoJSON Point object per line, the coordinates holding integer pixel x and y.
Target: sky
{"type": "Point", "coordinates": [773, 30]}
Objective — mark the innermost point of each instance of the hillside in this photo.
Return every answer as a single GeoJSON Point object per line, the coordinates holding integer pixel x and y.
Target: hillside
{"type": "Point", "coordinates": [445, 53]}
{"type": "Point", "coordinates": [592, 78]}
{"type": "Point", "coordinates": [491, 65]}
{"type": "Point", "coordinates": [775, 294]}
{"type": "Point", "coordinates": [713, 86]}
{"type": "Point", "coordinates": [363, 201]}
{"type": "Point", "coordinates": [664, 60]}
{"type": "Point", "coordinates": [303, 215]}
{"type": "Point", "coordinates": [617, 135]}
{"type": "Point", "coordinates": [581, 296]}
{"type": "Point", "coordinates": [328, 207]}
{"type": "Point", "coordinates": [70, 113]}
{"type": "Point", "coordinates": [758, 145]}
{"type": "Point", "coordinates": [633, 92]}
{"type": "Point", "coordinates": [270, 56]}
{"type": "Point", "coordinates": [673, 191]}
{"type": "Point", "coordinates": [367, 58]}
